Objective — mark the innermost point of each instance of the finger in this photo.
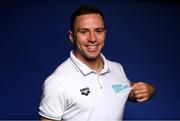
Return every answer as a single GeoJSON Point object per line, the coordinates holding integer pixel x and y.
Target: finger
{"type": "Point", "coordinates": [142, 100]}
{"type": "Point", "coordinates": [139, 86]}
{"type": "Point", "coordinates": [140, 91]}
{"type": "Point", "coordinates": [140, 96]}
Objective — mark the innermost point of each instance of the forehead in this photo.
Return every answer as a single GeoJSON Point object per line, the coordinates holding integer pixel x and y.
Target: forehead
{"type": "Point", "coordinates": [88, 21]}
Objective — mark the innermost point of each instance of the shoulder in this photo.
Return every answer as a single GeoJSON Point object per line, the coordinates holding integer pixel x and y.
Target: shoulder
{"type": "Point", "coordinates": [114, 65]}
{"type": "Point", "coordinates": [60, 78]}
{"type": "Point", "coordinates": [63, 68]}
{"type": "Point", "coordinates": [54, 80]}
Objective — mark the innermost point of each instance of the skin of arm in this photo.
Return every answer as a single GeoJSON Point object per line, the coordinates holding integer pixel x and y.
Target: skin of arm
{"type": "Point", "coordinates": [141, 92]}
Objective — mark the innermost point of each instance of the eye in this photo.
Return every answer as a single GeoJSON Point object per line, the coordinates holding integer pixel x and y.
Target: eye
{"type": "Point", "coordinates": [99, 31]}
{"type": "Point", "coordinates": [83, 31]}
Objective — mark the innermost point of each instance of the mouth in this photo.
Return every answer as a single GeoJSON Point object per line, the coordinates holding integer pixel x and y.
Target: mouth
{"type": "Point", "coordinates": [92, 47]}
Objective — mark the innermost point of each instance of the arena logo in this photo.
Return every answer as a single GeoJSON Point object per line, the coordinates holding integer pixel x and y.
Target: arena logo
{"type": "Point", "coordinates": [85, 91]}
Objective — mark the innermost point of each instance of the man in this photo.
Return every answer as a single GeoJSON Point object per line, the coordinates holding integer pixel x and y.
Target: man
{"type": "Point", "coordinates": [87, 86]}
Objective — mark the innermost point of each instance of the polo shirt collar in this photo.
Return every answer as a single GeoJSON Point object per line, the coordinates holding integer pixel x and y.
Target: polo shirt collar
{"type": "Point", "coordinates": [84, 69]}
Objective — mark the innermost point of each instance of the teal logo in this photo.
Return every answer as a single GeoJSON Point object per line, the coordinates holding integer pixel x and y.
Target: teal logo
{"type": "Point", "coordinates": [119, 88]}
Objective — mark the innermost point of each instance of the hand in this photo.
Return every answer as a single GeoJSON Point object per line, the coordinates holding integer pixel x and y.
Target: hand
{"type": "Point", "coordinates": [141, 91]}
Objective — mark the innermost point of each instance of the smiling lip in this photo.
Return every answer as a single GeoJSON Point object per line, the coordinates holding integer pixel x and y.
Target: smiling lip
{"type": "Point", "coordinates": [92, 47]}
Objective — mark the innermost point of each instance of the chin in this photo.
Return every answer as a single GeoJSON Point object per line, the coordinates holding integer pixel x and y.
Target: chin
{"type": "Point", "coordinates": [92, 57]}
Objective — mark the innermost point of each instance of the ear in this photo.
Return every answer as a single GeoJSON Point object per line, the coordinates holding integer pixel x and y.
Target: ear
{"type": "Point", "coordinates": [105, 33]}
{"type": "Point", "coordinates": [70, 35]}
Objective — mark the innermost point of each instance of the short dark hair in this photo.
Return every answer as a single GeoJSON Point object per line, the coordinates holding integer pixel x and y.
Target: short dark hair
{"type": "Point", "coordinates": [83, 10]}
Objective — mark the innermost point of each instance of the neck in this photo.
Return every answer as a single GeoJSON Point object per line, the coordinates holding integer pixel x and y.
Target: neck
{"type": "Point", "coordinates": [95, 64]}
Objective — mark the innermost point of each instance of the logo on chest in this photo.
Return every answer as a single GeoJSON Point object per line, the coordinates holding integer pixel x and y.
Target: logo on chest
{"type": "Point", "coordinates": [119, 88]}
{"type": "Point", "coordinates": [85, 91]}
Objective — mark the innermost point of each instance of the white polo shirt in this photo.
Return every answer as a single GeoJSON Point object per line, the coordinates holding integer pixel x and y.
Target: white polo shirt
{"type": "Point", "coordinates": [76, 92]}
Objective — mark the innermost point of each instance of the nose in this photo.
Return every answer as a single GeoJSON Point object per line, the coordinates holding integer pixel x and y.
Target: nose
{"type": "Point", "coordinates": [92, 37]}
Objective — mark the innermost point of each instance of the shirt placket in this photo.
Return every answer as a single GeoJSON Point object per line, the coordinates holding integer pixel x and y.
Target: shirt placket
{"type": "Point", "coordinates": [99, 83]}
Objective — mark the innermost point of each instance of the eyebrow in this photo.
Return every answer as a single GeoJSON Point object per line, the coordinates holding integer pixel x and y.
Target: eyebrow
{"type": "Point", "coordinates": [80, 29]}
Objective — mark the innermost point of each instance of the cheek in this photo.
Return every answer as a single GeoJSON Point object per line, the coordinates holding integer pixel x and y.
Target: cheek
{"type": "Point", "coordinates": [81, 40]}
{"type": "Point", "coordinates": [79, 44]}
{"type": "Point", "coordinates": [101, 40]}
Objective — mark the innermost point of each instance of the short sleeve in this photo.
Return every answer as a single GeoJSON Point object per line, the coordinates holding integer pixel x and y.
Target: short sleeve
{"type": "Point", "coordinates": [53, 100]}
